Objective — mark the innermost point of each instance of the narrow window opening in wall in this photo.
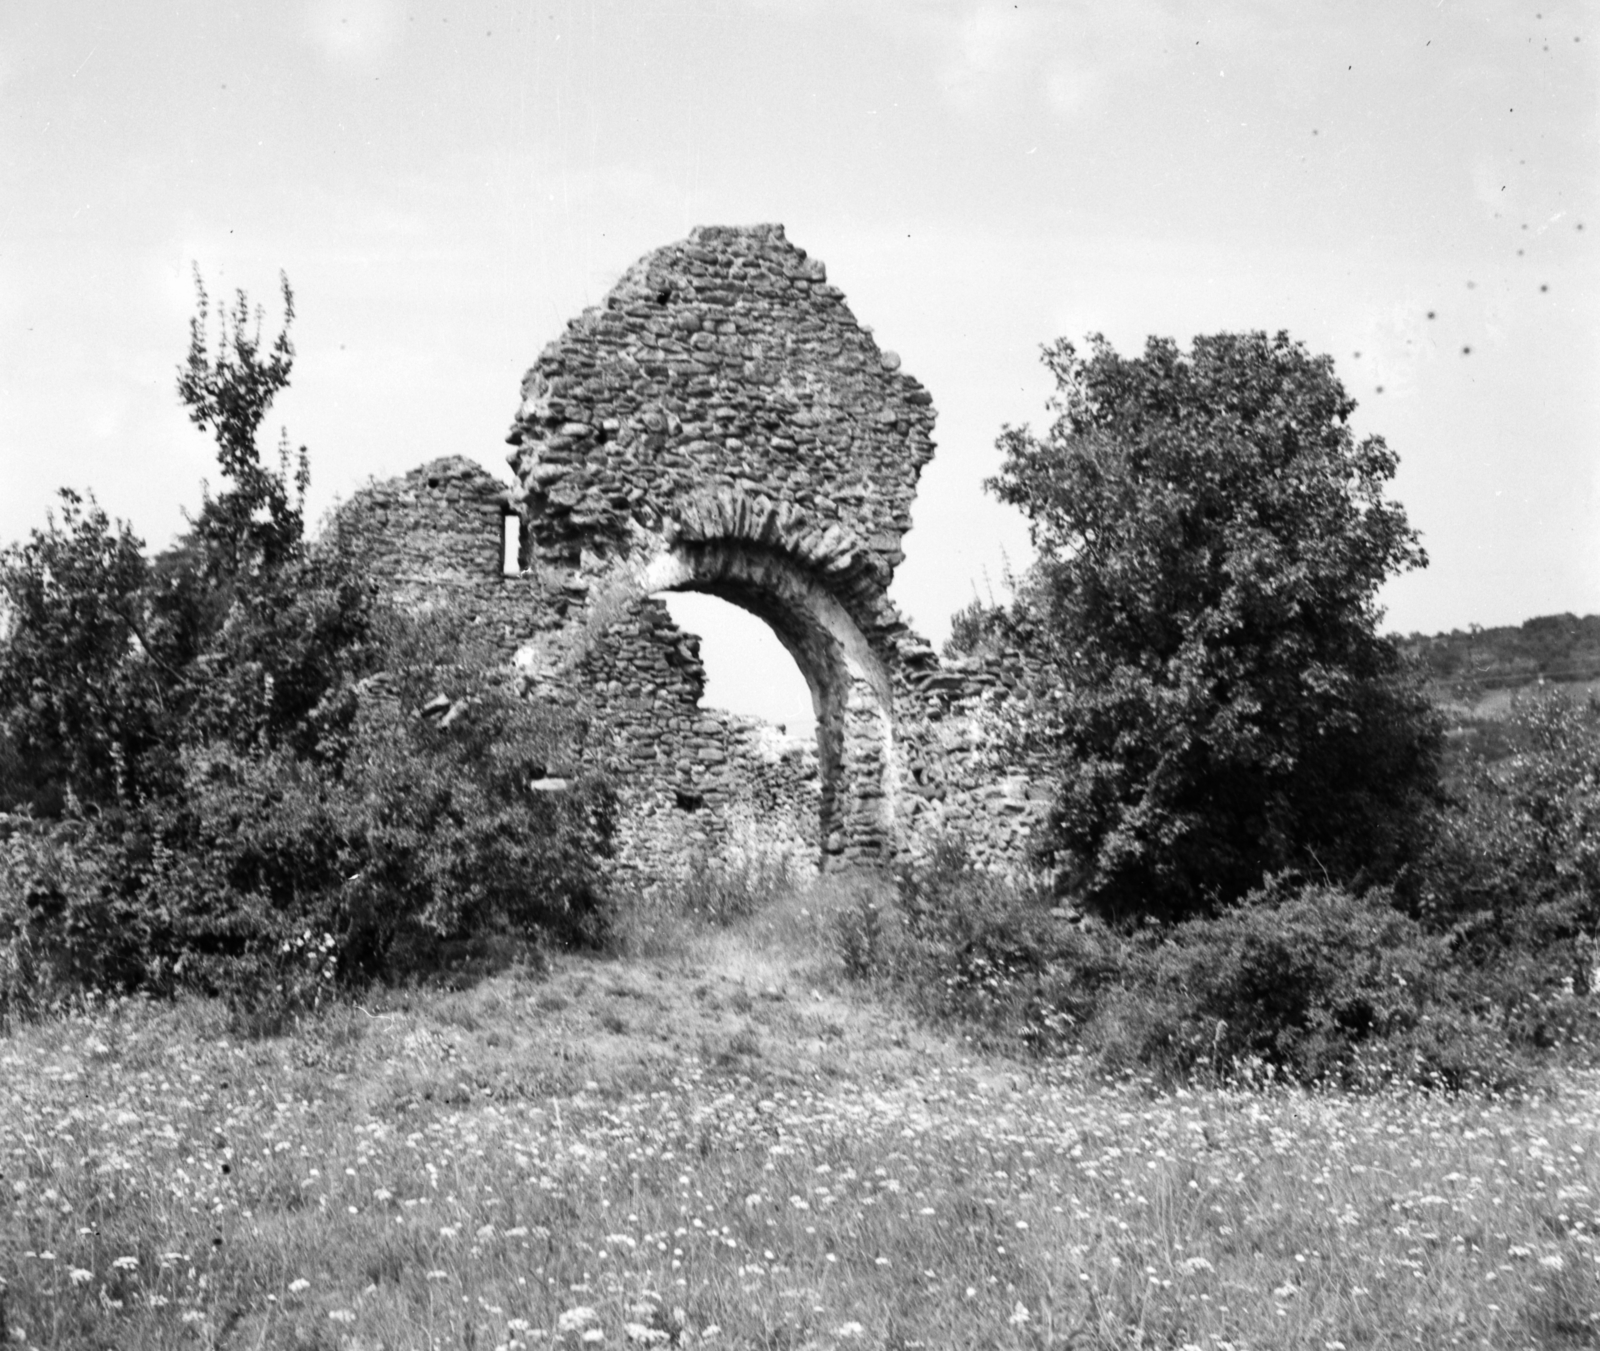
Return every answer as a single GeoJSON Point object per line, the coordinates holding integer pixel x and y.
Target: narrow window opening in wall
{"type": "Point", "coordinates": [747, 669]}
{"type": "Point", "coordinates": [510, 544]}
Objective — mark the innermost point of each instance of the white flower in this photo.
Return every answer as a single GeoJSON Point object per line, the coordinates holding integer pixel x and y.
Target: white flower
{"type": "Point", "coordinates": [574, 1319]}
{"type": "Point", "coordinates": [1553, 1262]}
{"type": "Point", "coordinates": [342, 1315]}
{"type": "Point", "coordinates": [1019, 1315]}
{"type": "Point", "coordinates": [126, 1264]}
{"type": "Point", "coordinates": [298, 1284]}
{"type": "Point", "coordinates": [850, 1330]}
{"type": "Point", "coordinates": [647, 1336]}
{"type": "Point", "coordinates": [1190, 1265]}
{"type": "Point", "coordinates": [79, 1276]}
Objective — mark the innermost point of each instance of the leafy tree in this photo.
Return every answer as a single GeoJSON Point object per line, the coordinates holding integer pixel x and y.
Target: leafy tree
{"type": "Point", "coordinates": [224, 751]}
{"type": "Point", "coordinates": [1209, 685]}
{"type": "Point", "coordinates": [256, 522]}
{"type": "Point", "coordinates": [76, 688]}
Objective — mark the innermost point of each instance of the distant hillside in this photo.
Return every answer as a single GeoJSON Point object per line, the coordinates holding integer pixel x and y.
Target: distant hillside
{"type": "Point", "coordinates": [1468, 665]}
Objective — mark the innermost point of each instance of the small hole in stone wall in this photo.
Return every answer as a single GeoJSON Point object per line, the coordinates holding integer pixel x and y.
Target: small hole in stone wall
{"type": "Point", "coordinates": [688, 799]}
{"type": "Point", "coordinates": [510, 545]}
{"type": "Point", "coordinates": [432, 482]}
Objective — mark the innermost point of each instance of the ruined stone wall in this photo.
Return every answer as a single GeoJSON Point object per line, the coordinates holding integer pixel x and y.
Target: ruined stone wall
{"type": "Point", "coordinates": [693, 780]}
{"type": "Point", "coordinates": [725, 370]}
{"type": "Point", "coordinates": [957, 773]}
{"type": "Point", "coordinates": [720, 423]}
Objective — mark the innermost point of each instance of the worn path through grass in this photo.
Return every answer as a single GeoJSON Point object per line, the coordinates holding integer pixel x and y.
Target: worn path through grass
{"type": "Point", "coordinates": [728, 1145]}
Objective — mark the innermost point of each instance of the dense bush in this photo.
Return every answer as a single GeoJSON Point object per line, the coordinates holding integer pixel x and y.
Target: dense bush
{"type": "Point", "coordinates": [1304, 983]}
{"type": "Point", "coordinates": [1516, 861]}
{"type": "Point", "coordinates": [233, 767]}
{"type": "Point", "coordinates": [1310, 984]}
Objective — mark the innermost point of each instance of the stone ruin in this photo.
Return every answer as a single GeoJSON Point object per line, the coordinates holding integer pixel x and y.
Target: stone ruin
{"type": "Point", "coordinates": [720, 423]}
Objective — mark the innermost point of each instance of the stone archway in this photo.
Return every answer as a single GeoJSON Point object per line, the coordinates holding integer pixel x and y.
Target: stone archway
{"type": "Point", "coordinates": [720, 423]}
{"type": "Point", "coordinates": [851, 689]}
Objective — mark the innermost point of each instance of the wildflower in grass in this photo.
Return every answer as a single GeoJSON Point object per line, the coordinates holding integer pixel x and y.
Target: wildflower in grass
{"type": "Point", "coordinates": [1553, 1262]}
{"type": "Point", "coordinates": [126, 1264]}
{"type": "Point", "coordinates": [342, 1315]}
{"type": "Point", "coordinates": [78, 1276]}
{"type": "Point", "coordinates": [849, 1331]}
{"type": "Point", "coordinates": [576, 1319]}
{"type": "Point", "coordinates": [298, 1284]}
{"type": "Point", "coordinates": [1019, 1315]}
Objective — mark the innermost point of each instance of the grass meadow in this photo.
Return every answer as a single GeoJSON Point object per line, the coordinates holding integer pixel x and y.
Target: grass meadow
{"type": "Point", "coordinates": [719, 1140]}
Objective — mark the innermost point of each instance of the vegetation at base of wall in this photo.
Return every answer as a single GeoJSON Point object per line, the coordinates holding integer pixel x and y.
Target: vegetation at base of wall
{"type": "Point", "coordinates": [648, 917]}
{"type": "Point", "coordinates": [232, 767]}
{"type": "Point", "coordinates": [1300, 982]}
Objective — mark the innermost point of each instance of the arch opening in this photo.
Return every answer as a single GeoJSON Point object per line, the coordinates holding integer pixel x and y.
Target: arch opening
{"type": "Point", "coordinates": [848, 683]}
{"type": "Point", "coordinates": [749, 671]}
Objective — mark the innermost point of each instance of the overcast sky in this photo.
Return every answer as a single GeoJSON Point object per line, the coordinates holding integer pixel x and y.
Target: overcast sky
{"type": "Point", "coordinates": [1409, 185]}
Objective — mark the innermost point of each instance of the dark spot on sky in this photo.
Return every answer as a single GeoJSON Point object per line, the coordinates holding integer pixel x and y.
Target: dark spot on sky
{"type": "Point", "coordinates": [1472, 286]}
{"type": "Point", "coordinates": [1466, 351]}
{"type": "Point", "coordinates": [1519, 253]}
{"type": "Point", "coordinates": [1433, 314]}
{"type": "Point", "coordinates": [1544, 286]}
{"type": "Point", "coordinates": [1380, 389]}
{"type": "Point", "coordinates": [1358, 356]}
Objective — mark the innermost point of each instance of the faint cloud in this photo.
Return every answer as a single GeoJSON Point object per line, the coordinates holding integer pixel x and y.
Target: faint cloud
{"type": "Point", "coordinates": [989, 48]}
{"type": "Point", "coordinates": [352, 34]}
{"type": "Point", "coordinates": [1070, 87]}
{"type": "Point", "coordinates": [1063, 56]}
